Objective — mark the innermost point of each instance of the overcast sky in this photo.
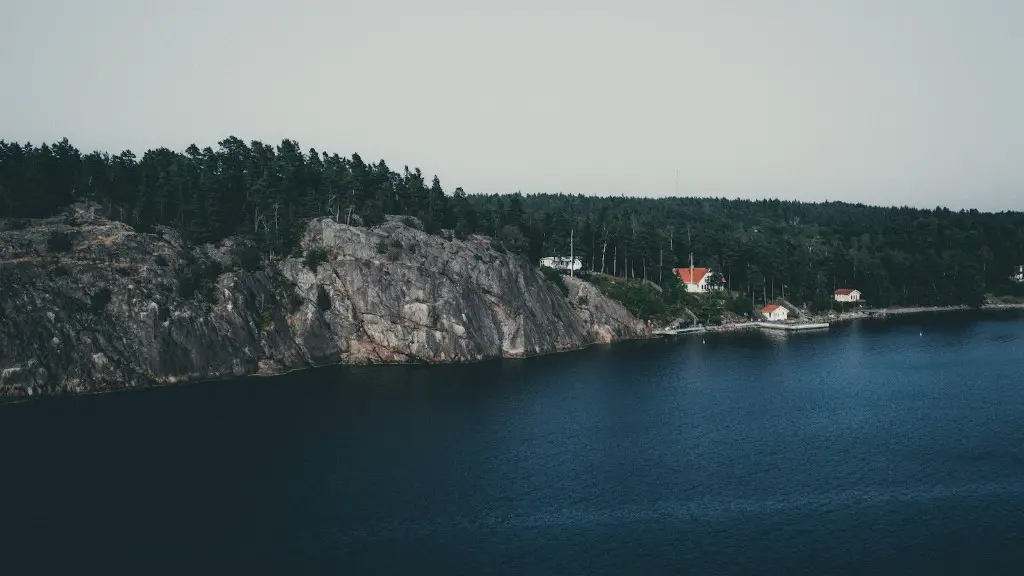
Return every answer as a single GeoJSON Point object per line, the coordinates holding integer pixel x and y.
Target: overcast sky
{"type": "Point", "coordinates": [913, 102]}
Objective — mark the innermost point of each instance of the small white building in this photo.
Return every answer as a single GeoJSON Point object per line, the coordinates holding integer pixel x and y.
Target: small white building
{"type": "Point", "coordinates": [847, 295]}
{"type": "Point", "coordinates": [775, 313]}
{"type": "Point", "coordinates": [696, 280]}
{"type": "Point", "coordinates": [1018, 276]}
{"type": "Point", "coordinates": [561, 263]}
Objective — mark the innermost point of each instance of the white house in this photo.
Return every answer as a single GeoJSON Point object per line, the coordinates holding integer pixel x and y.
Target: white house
{"type": "Point", "coordinates": [847, 295]}
{"type": "Point", "coordinates": [696, 279]}
{"type": "Point", "coordinates": [1019, 275]}
{"type": "Point", "coordinates": [561, 263]}
{"type": "Point", "coordinates": [775, 313]}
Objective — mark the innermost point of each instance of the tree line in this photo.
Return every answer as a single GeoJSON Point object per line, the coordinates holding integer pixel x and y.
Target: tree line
{"type": "Point", "coordinates": [766, 248]}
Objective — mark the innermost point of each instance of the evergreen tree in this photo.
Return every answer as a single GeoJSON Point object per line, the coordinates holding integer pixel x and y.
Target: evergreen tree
{"type": "Point", "coordinates": [895, 256]}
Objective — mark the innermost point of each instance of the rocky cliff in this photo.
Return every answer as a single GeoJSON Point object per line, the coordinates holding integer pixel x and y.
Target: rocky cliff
{"type": "Point", "coordinates": [90, 304]}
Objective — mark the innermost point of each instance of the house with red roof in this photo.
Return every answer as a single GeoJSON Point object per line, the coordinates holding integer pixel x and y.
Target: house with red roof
{"type": "Point", "coordinates": [847, 295]}
{"type": "Point", "coordinates": [697, 279]}
{"type": "Point", "coordinates": [775, 313]}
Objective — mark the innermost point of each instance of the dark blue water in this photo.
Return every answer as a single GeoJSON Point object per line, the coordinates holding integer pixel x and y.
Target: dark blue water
{"type": "Point", "coordinates": [886, 447]}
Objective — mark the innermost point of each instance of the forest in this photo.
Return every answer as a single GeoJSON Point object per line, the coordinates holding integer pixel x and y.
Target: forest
{"type": "Point", "coordinates": [766, 248]}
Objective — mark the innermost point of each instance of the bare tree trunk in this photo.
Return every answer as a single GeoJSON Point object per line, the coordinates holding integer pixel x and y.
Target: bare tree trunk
{"type": "Point", "coordinates": [661, 263]}
{"type": "Point", "coordinates": [604, 247]}
{"type": "Point", "coordinates": [615, 261]}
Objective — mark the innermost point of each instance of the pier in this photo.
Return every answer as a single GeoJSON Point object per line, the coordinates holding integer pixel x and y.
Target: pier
{"type": "Point", "coordinates": [787, 327]}
{"type": "Point", "coordinates": [794, 327]}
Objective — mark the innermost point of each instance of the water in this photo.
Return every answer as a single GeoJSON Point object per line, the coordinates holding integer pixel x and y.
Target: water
{"type": "Point", "coordinates": [878, 447]}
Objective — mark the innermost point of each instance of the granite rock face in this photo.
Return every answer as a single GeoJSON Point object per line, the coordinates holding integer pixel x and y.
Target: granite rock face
{"type": "Point", "coordinates": [89, 304]}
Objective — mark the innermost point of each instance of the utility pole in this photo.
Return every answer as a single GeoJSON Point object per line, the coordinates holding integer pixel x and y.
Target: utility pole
{"type": "Point", "coordinates": [572, 257]}
{"type": "Point", "coordinates": [691, 269]}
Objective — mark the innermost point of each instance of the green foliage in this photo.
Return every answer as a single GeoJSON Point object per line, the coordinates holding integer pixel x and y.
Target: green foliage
{"type": "Point", "coordinates": [266, 193]}
{"type": "Point", "coordinates": [740, 305]}
{"type": "Point", "coordinates": [161, 260]}
{"type": "Point", "coordinates": [59, 241]}
{"type": "Point", "coordinates": [712, 305]}
{"type": "Point", "coordinates": [284, 291]}
{"type": "Point", "coordinates": [555, 277]}
{"type": "Point", "coordinates": [642, 299]}
{"type": "Point", "coordinates": [842, 306]}
{"type": "Point", "coordinates": [266, 321]}
{"type": "Point", "coordinates": [323, 299]}
{"type": "Point", "coordinates": [99, 300]}
{"type": "Point", "coordinates": [512, 239]}
{"type": "Point", "coordinates": [250, 258]}
{"type": "Point", "coordinates": [315, 257]}
{"type": "Point", "coordinates": [198, 278]}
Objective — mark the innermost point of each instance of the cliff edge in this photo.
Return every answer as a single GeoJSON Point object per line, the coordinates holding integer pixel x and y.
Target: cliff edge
{"type": "Point", "coordinates": [90, 304]}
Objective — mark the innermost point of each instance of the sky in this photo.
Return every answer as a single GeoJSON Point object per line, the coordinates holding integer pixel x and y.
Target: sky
{"type": "Point", "coordinates": [889, 102]}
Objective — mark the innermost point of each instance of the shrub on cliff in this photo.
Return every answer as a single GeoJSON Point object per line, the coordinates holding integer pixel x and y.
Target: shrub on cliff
{"type": "Point", "coordinates": [59, 242]}
{"type": "Point", "coordinates": [198, 278]}
{"type": "Point", "coordinates": [556, 277]}
{"type": "Point", "coordinates": [643, 299]}
{"type": "Point", "coordinates": [323, 299]}
{"type": "Point", "coordinates": [315, 257]}
{"type": "Point", "coordinates": [249, 258]}
{"type": "Point", "coordinates": [98, 301]}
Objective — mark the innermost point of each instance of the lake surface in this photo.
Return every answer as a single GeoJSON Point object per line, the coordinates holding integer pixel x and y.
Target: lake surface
{"type": "Point", "coordinates": [877, 447]}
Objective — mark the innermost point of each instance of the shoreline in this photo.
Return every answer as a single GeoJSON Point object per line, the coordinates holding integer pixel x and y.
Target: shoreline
{"type": "Point", "coordinates": [911, 310]}
{"type": "Point", "coordinates": [160, 384]}
{"type": "Point", "coordinates": [870, 314]}
{"type": "Point", "coordinates": [879, 313]}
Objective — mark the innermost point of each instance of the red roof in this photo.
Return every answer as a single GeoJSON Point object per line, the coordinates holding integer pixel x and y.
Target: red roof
{"type": "Point", "coordinates": [698, 274]}
{"type": "Point", "coordinates": [770, 308]}
{"type": "Point", "coordinates": [845, 291]}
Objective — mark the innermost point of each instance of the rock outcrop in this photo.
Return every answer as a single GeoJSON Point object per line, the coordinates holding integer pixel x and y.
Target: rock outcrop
{"type": "Point", "coordinates": [89, 304]}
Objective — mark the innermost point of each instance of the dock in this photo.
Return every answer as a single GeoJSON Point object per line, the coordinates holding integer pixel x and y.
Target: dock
{"type": "Point", "coordinates": [794, 327]}
{"type": "Point", "coordinates": [674, 331]}
{"type": "Point", "coordinates": [787, 327]}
